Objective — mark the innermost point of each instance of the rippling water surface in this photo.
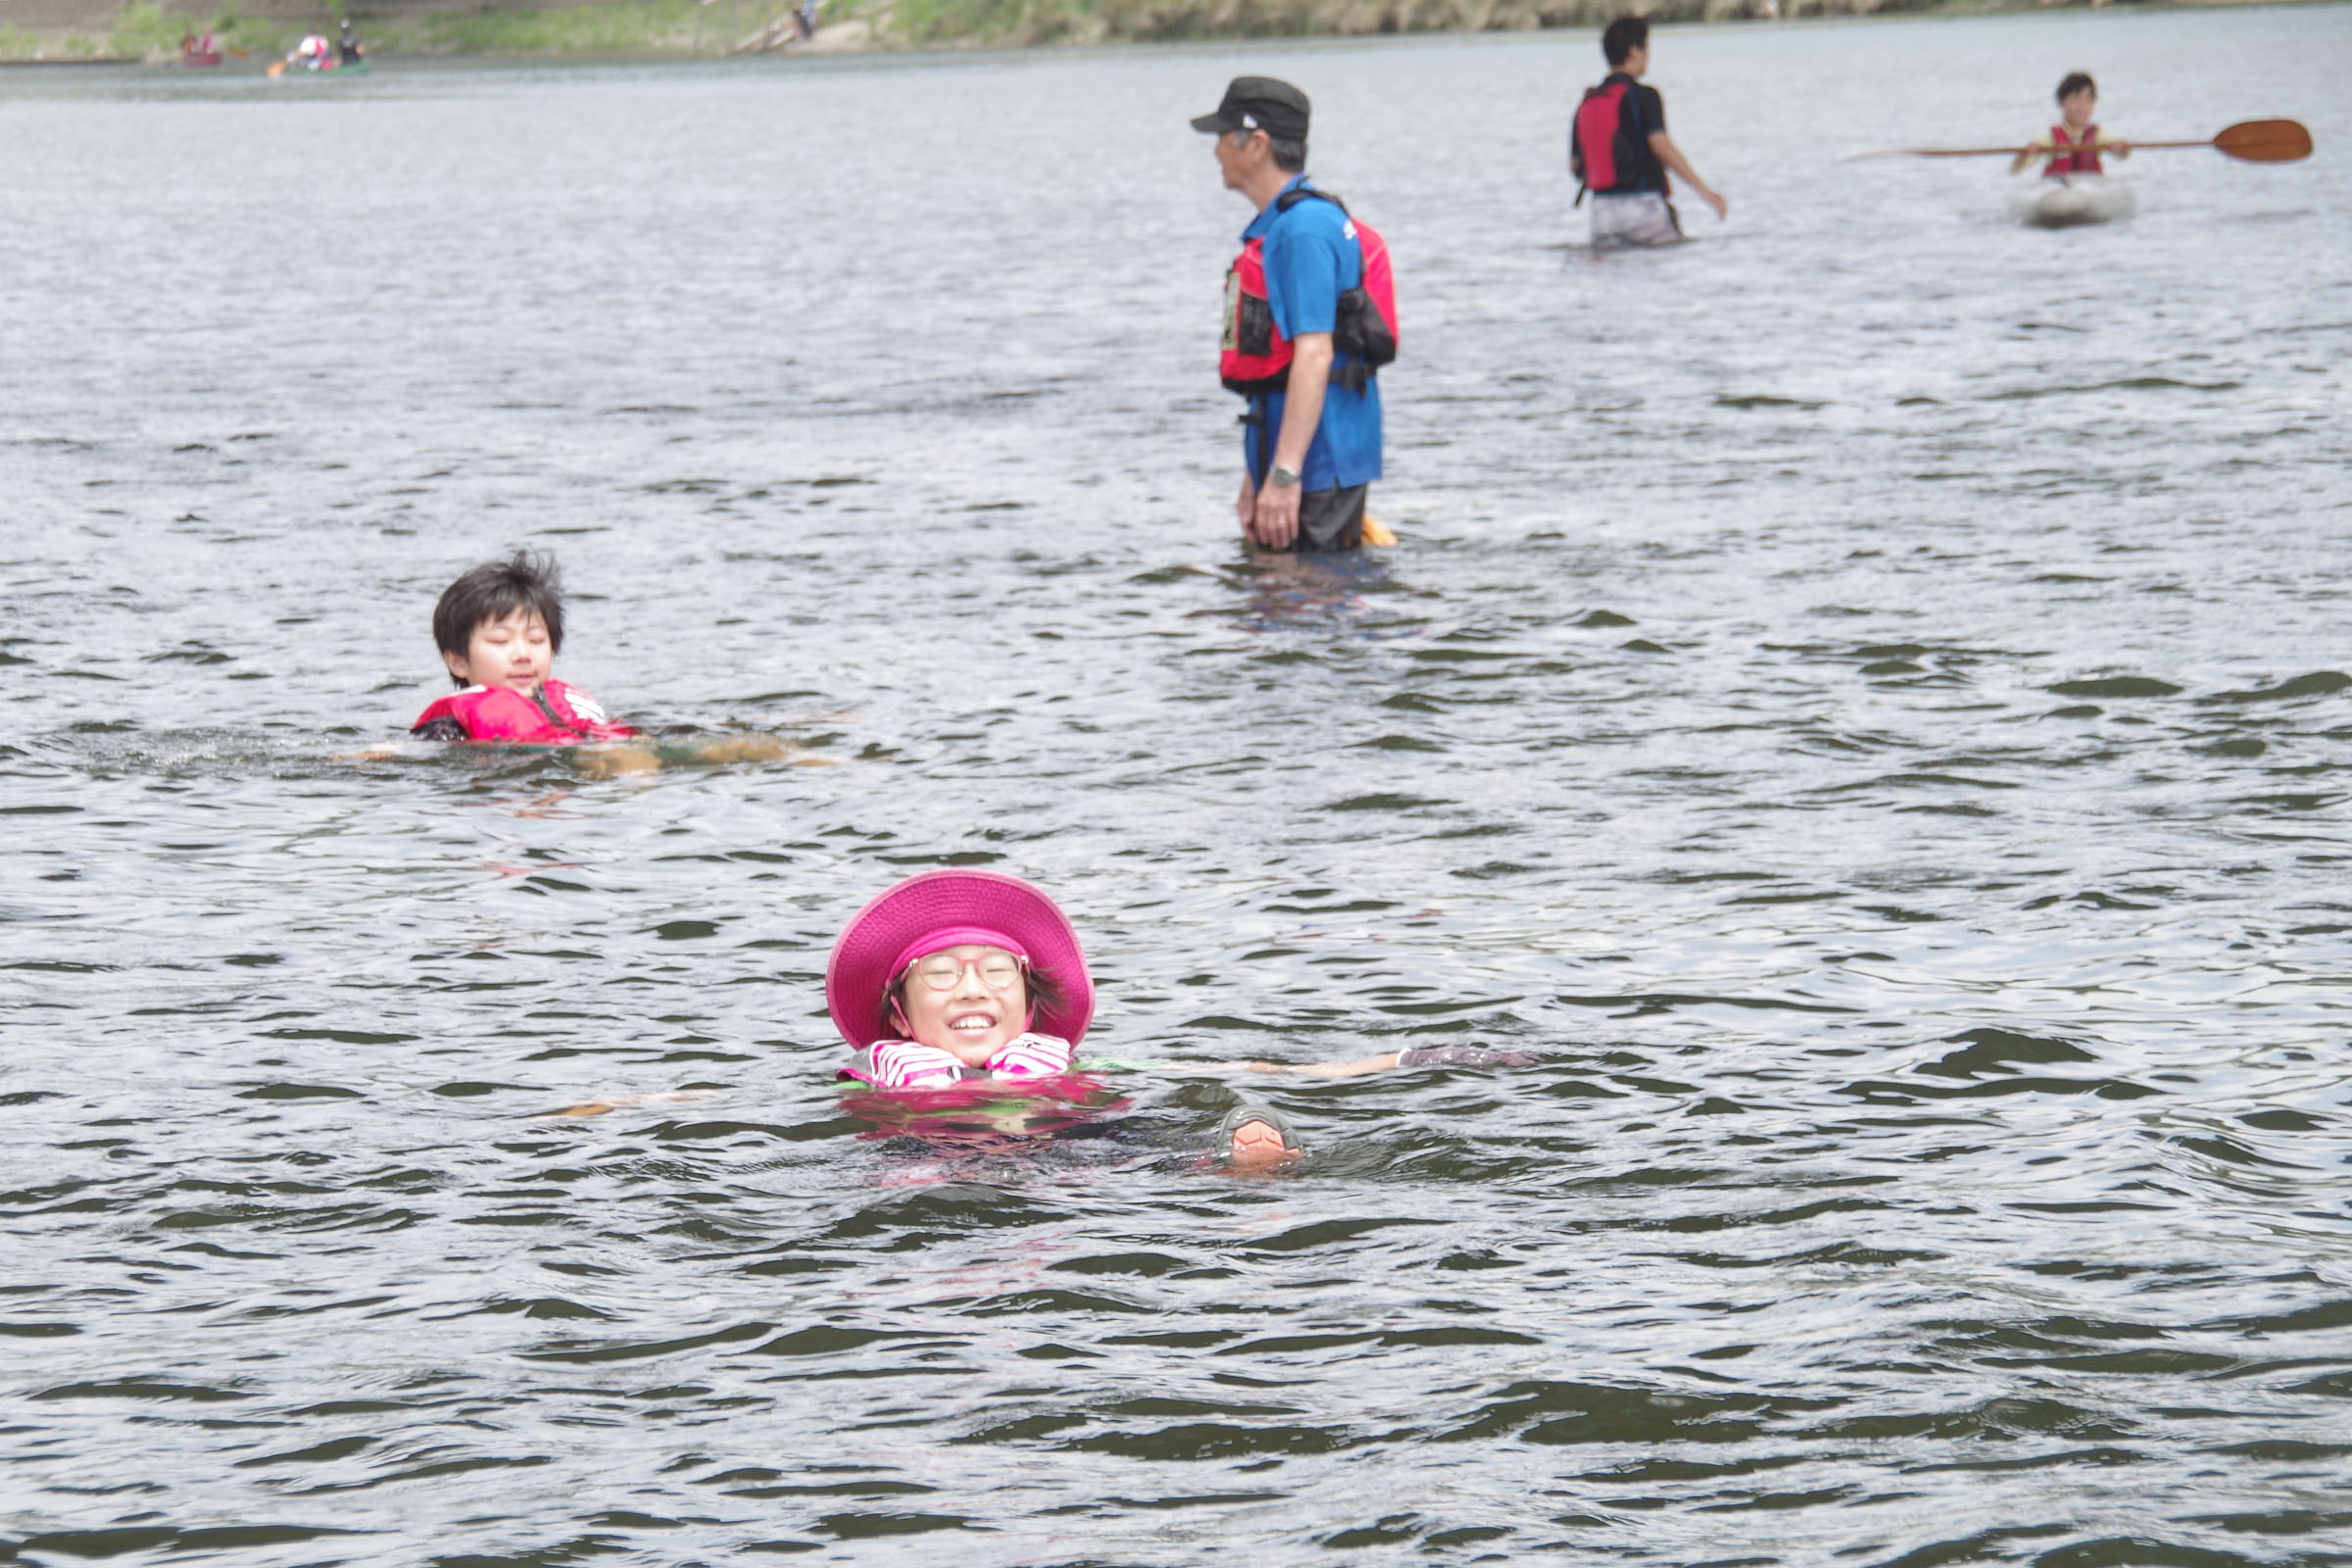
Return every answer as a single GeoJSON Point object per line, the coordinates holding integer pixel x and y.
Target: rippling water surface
{"type": "Point", "coordinates": [1864, 696]}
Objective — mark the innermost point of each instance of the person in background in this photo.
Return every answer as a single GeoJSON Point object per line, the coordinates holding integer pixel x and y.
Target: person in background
{"type": "Point", "coordinates": [1619, 151]}
{"type": "Point", "coordinates": [2073, 145]}
{"type": "Point", "coordinates": [499, 628]}
{"type": "Point", "coordinates": [346, 45]}
{"type": "Point", "coordinates": [1295, 301]}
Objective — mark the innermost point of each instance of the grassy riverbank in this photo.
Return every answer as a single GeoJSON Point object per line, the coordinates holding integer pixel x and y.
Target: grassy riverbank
{"type": "Point", "coordinates": [684, 28]}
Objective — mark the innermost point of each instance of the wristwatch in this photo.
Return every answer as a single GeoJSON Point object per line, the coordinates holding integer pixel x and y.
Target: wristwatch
{"type": "Point", "coordinates": [1282, 477]}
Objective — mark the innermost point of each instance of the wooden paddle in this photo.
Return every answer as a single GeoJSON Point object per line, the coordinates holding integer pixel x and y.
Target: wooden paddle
{"type": "Point", "coordinates": [2256, 142]}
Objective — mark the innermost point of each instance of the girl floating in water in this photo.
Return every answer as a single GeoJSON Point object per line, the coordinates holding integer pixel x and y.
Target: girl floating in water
{"type": "Point", "coordinates": [970, 979]}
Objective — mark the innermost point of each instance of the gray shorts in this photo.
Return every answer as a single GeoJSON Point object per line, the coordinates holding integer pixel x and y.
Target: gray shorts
{"type": "Point", "coordinates": [1332, 519]}
{"type": "Point", "coordinates": [1639, 218]}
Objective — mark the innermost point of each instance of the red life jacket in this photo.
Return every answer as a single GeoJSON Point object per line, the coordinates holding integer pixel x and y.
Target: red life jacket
{"type": "Point", "coordinates": [1608, 151]}
{"type": "Point", "coordinates": [570, 716]}
{"type": "Point", "coordinates": [2073, 157]}
{"type": "Point", "coordinates": [1255, 358]}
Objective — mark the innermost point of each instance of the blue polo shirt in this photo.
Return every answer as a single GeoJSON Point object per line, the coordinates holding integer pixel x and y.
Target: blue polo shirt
{"type": "Point", "coordinates": [1312, 254]}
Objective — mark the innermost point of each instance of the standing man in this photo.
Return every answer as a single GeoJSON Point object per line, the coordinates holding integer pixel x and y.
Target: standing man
{"type": "Point", "coordinates": [1311, 444]}
{"type": "Point", "coordinates": [1618, 147]}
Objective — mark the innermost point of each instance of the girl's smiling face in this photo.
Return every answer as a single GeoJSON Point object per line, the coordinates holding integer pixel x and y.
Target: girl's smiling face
{"type": "Point", "coordinates": [978, 1009]}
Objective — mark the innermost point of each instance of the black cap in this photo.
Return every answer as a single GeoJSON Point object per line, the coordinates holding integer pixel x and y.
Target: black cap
{"type": "Point", "coordinates": [1259, 103]}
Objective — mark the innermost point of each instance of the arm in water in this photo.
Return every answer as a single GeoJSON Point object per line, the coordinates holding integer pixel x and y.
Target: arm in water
{"type": "Point", "coordinates": [1423, 1056]}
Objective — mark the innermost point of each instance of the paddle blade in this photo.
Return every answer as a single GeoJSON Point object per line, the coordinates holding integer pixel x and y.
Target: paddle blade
{"type": "Point", "coordinates": [2266, 141]}
{"type": "Point", "coordinates": [276, 66]}
{"type": "Point", "coordinates": [1377, 532]}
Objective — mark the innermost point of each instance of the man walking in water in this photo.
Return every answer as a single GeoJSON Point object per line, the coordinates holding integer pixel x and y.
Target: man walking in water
{"type": "Point", "coordinates": [1296, 315]}
{"type": "Point", "coordinates": [1618, 147]}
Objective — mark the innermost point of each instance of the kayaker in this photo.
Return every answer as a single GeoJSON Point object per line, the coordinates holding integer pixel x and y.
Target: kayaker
{"type": "Point", "coordinates": [1618, 148]}
{"type": "Point", "coordinates": [499, 628]}
{"type": "Point", "coordinates": [1299, 338]}
{"type": "Point", "coordinates": [957, 979]}
{"type": "Point", "coordinates": [2075, 144]}
{"type": "Point", "coordinates": [346, 45]}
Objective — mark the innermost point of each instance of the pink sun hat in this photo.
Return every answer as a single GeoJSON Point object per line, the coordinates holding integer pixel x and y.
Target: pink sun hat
{"type": "Point", "coordinates": [935, 910]}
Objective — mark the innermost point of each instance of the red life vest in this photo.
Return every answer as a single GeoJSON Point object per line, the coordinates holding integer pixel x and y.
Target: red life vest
{"type": "Point", "coordinates": [1607, 155]}
{"type": "Point", "coordinates": [1255, 357]}
{"type": "Point", "coordinates": [2072, 156]}
{"type": "Point", "coordinates": [570, 716]}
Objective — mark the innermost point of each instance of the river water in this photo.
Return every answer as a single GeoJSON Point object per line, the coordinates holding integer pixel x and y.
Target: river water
{"type": "Point", "coordinates": [1863, 695]}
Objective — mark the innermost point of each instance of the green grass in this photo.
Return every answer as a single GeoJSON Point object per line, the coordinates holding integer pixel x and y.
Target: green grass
{"type": "Point", "coordinates": [628, 27]}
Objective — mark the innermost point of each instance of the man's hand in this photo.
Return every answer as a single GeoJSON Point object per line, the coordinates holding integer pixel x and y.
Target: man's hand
{"type": "Point", "coordinates": [1277, 515]}
{"type": "Point", "coordinates": [1723, 208]}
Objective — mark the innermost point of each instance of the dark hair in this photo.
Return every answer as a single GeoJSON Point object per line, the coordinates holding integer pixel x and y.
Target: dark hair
{"type": "Point", "coordinates": [1041, 992]}
{"type": "Point", "coordinates": [495, 590]}
{"type": "Point", "coordinates": [1289, 156]}
{"type": "Point", "coordinates": [1623, 36]}
{"type": "Point", "coordinates": [2076, 82]}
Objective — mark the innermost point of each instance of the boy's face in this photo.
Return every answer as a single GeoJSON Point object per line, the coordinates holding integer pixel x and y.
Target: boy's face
{"type": "Point", "coordinates": [513, 653]}
{"type": "Point", "coordinates": [2079, 105]}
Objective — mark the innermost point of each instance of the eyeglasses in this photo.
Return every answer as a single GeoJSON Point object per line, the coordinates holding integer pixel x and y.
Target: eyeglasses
{"type": "Point", "coordinates": [998, 971]}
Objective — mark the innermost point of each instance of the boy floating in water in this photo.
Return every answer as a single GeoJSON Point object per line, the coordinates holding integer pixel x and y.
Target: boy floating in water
{"type": "Point", "coordinates": [954, 978]}
{"type": "Point", "coordinates": [2073, 145]}
{"type": "Point", "coordinates": [499, 628]}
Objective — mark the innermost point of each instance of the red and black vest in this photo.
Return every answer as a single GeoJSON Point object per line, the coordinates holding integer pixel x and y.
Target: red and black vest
{"type": "Point", "coordinates": [2071, 156]}
{"type": "Point", "coordinates": [1255, 357]}
{"type": "Point", "coordinates": [565, 715]}
{"type": "Point", "coordinates": [1608, 146]}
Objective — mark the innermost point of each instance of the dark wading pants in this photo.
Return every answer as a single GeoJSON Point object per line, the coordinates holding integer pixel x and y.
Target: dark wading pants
{"type": "Point", "coordinates": [1332, 519]}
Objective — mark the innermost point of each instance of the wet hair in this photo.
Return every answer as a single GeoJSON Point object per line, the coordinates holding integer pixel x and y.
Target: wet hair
{"type": "Point", "coordinates": [495, 590]}
{"type": "Point", "coordinates": [2077, 81]}
{"type": "Point", "coordinates": [1623, 36]}
{"type": "Point", "coordinates": [1041, 992]}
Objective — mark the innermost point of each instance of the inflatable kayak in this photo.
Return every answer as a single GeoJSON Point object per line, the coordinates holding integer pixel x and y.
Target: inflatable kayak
{"type": "Point", "coordinates": [2065, 200]}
